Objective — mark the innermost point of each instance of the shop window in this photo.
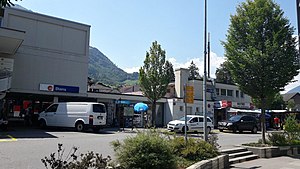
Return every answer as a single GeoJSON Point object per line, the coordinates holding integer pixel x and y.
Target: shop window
{"type": "Point", "coordinates": [217, 91]}
{"type": "Point", "coordinates": [223, 92]}
{"type": "Point", "coordinates": [229, 92]}
{"type": "Point", "coordinates": [237, 93]}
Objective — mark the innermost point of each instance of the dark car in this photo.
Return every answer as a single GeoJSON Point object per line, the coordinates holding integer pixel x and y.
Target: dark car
{"type": "Point", "coordinates": [240, 123]}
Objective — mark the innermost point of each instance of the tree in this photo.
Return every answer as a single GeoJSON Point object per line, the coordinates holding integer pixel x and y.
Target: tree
{"type": "Point", "coordinates": [4, 3]}
{"type": "Point", "coordinates": [154, 77]}
{"type": "Point", "coordinates": [170, 71]}
{"type": "Point", "coordinates": [273, 102]}
{"type": "Point", "coordinates": [260, 50]}
{"type": "Point", "coordinates": [223, 75]}
{"type": "Point", "coordinates": [194, 72]}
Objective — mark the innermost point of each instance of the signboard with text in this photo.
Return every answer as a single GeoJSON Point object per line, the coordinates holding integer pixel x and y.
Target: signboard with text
{"type": "Point", "coordinates": [189, 94]}
{"type": "Point", "coordinates": [59, 88]}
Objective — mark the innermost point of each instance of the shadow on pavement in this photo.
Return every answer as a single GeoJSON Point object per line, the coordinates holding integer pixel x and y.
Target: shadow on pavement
{"type": "Point", "coordinates": [25, 132]}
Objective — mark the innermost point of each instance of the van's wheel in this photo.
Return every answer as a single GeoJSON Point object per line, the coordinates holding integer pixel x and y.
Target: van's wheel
{"type": "Point", "coordinates": [79, 126]}
{"type": "Point", "coordinates": [183, 128]}
{"type": "Point", "coordinates": [254, 130]}
{"type": "Point", "coordinates": [43, 124]}
{"type": "Point", "coordinates": [208, 130]}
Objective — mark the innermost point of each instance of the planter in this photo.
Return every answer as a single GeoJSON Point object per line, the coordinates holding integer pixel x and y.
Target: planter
{"type": "Point", "coordinates": [220, 162]}
{"type": "Point", "coordinates": [274, 151]}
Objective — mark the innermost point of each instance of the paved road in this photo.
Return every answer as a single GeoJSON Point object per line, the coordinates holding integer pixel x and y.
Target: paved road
{"type": "Point", "coordinates": [24, 148]}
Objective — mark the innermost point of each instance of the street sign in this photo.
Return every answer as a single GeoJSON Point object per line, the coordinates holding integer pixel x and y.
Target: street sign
{"type": "Point", "coordinates": [189, 94]}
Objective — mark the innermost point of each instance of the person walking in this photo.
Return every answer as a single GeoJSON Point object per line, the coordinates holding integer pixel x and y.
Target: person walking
{"type": "Point", "coordinates": [276, 123]}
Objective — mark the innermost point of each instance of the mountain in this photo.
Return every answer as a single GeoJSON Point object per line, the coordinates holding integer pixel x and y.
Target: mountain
{"type": "Point", "coordinates": [295, 90]}
{"type": "Point", "coordinates": [102, 69]}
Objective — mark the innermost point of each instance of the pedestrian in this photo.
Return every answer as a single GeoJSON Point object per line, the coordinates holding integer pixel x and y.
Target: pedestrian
{"type": "Point", "coordinates": [276, 123]}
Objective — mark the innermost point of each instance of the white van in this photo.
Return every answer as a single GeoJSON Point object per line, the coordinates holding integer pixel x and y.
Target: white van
{"type": "Point", "coordinates": [81, 115]}
{"type": "Point", "coordinates": [194, 124]}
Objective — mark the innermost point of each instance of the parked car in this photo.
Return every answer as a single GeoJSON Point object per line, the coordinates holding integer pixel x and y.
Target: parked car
{"type": "Point", "coordinates": [240, 123]}
{"type": "Point", "coordinates": [195, 123]}
{"type": "Point", "coordinates": [80, 115]}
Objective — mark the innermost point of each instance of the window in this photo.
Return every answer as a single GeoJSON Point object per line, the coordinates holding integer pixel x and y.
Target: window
{"type": "Point", "coordinates": [237, 94]}
{"type": "Point", "coordinates": [217, 91]}
{"type": "Point", "coordinates": [223, 92]}
{"type": "Point", "coordinates": [181, 108]}
{"type": "Point", "coordinates": [52, 108]}
{"type": "Point", "coordinates": [200, 119]}
{"type": "Point", "coordinates": [168, 90]}
{"type": "Point", "coordinates": [98, 108]}
{"type": "Point", "coordinates": [242, 95]}
{"type": "Point", "coordinates": [229, 92]}
{"type": "Point", "coordinates": [194, 120]}
{"type": "Point", "coordinates": [197, 109]}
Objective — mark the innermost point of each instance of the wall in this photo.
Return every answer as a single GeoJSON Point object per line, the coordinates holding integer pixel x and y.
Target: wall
{"type": "Point", "coordinates": [54, 51]}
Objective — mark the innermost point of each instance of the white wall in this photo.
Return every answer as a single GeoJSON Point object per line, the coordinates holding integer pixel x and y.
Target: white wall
{"type": "Point", "coordinates": [54, 51]}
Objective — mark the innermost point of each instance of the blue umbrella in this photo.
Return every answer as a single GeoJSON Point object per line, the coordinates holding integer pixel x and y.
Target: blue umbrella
{"type": "Point", "coordinates": [140, 107]}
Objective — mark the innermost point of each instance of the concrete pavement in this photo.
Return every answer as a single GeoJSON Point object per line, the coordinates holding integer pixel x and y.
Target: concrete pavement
{"type": "Point", "coordinates": [283, 162]}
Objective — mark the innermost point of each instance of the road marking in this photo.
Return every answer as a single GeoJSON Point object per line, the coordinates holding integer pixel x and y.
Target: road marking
{"type": "Point", "coordinates": [7, 138]}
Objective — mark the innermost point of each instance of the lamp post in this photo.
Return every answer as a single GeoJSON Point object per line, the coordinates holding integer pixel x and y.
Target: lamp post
{"type": "Point", "coordinates": [204, 76]}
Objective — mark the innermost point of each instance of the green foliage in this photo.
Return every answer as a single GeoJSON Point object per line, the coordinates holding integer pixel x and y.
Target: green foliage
{"type": "Point", "coordinates": [292, 127]}
{"type": "Point", "coordinates": [145, 150]}
{"type": "Point", "coordinates": [273, 102]}
{"type": "Point", "coordinates": [4, 3]}
{"type": "Point", "coordinates": [291, 105]}
{"type": "Point", "coordinates": [170, 71]}
{"type": "Point", "coordinates": [194, 150]}
{"type": "Point", "coordinates": [101, 69]}
{"type": "Point", "coordinates": [71, 161]}
{"type": "Point", "coordinates": [277, 139]}
{"type": "Point", "coordinates": [223, 74]}
{"type": "Point", "coordinates": [261, 50]}
{"type": "Point", "coordinates": [154, 76]}
{"type": "Point", "coordinates": [194, 72]}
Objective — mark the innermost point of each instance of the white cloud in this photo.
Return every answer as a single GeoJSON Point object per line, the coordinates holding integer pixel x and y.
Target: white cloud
{"type": "Point", "coordinates": [215, 62]}
{"type": "Point", "coordinates": [132, 69]}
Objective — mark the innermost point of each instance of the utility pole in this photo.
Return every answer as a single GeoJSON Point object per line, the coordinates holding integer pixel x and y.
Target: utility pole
{"type": "Point", "coordinates": [208, 57]}
{"type": "Point", "coordinates": [298, 21]}
{"type": "Point", "coordinates": [204, 77]}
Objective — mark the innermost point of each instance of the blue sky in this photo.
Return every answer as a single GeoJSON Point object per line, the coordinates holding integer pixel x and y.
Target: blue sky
{"type": "Point", "coordinates": [124, 29]}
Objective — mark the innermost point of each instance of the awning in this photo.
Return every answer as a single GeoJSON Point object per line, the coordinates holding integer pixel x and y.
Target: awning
{"type": "Point", "coordinates": [10, 40]}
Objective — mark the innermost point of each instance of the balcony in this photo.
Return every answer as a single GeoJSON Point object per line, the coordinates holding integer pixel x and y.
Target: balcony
{"type": "Point", "coordinates": [10, 40]}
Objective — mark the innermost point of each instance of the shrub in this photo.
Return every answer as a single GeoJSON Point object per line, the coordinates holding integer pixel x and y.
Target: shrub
{"type": "Point", "coordinates": [277, 139]}
{"type": "Point", "coordinates": [194, 150]}
{"type": "Point", "coordinates": [146, 150]}
{"type": "Point", "coordinates": [71, 161]}
{"type": "Point", "coordinates": [292, 128]}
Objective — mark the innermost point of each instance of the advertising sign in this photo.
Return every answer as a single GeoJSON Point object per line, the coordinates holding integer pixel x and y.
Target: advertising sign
{"type": "Point", "coordinates": [189, 94]}
{"type": "Point", "coordinates": [59, 88]}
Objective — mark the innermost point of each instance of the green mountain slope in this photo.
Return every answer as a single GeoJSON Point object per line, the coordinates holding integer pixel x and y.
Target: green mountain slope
{"type": "Point", "coordinates": [103, 70]}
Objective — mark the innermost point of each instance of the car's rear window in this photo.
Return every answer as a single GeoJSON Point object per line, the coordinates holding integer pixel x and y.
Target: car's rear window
{"type": "Point", "coordinates": [98, 108]}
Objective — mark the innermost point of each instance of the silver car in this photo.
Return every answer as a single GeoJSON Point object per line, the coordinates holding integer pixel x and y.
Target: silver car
{"type": "Point", "coordinates": [195, 123]}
